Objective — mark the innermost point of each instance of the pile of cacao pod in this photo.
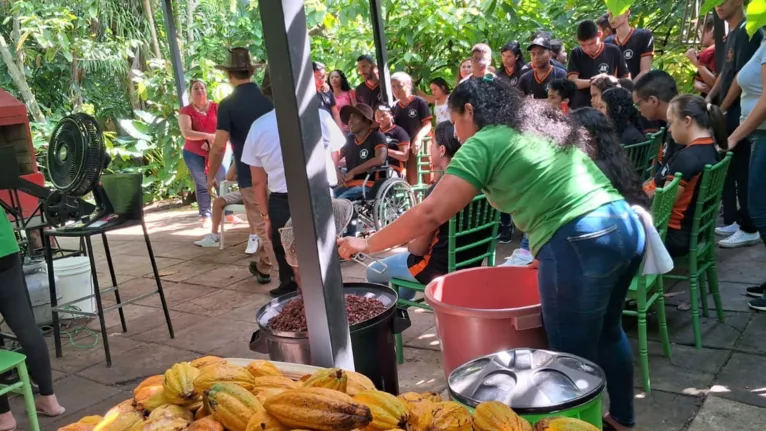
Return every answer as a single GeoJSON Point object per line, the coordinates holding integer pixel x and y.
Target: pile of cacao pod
{"type": "Point", "coordinates": [209, 394]}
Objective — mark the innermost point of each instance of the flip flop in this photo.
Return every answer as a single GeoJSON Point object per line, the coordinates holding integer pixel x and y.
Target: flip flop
{"type": "Point", "coordinates": [46, 414]}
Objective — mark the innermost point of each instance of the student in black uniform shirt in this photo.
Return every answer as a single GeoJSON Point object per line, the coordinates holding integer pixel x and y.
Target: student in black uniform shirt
{"type": "Point", "coordinates": [617, 104]}
{"type": "Point", "coordinates": [636, 44]}
{"type": "Point", "coordinates": [365, 149]}
{"type": "Point", "coordinates": [324, 92]}
{"type": "Point", "coordinates": [413, 115]}
{"type": "Point", "coordinates": [605, 26]}
{"type": "Point", "coordinates": [652, 94]}
{"type": "Point", "coordinates": [397, 139]}
{"type": "Point", "coordinates": [535, 82]}
{"type": "Point", "coordinates": [593, 57]}
{"type": "Point", "coordinates": [513, 62]}
{"type": "Point", "coordinates": [690, 121]}
{"type": "Point", "coordinates": [738, 50]}
{"type": "Point", "coordinates": [368, 92]}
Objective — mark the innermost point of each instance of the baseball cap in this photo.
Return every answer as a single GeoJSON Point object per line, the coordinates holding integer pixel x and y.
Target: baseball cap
{"type": "Point", "coordinates": [542, 42]}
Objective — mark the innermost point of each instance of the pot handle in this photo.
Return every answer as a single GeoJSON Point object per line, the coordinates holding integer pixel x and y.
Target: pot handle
{"type": "Point", "coordinates": [401, 320]}
{"type": "Point", "coordinates": [531, 321]}
{"type": "Point", "coordinates": [258, 343]}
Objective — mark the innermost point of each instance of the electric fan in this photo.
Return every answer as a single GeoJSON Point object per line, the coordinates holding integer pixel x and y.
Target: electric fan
{"type": "Point", "coordinates": [76, 158]}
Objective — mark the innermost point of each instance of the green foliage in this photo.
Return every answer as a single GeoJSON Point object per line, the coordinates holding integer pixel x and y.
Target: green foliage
{"type": "Point", "coordinates": [618, 7]}
{"type": "Point", "coordinates": [96, 56]}
{"type": "Point", "coordinates": [756, 16]}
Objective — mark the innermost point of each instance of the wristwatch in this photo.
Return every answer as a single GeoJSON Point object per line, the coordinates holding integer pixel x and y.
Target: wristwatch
{"type": "Point", "coordinates": [264, 216]}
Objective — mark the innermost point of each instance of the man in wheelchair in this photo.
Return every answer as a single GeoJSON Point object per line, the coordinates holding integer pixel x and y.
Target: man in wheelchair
{"type": "Point", "coordinates": [365, 150]}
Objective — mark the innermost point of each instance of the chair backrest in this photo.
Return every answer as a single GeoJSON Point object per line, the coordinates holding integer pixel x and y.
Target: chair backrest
{"type": "Point", "coordinates": [640, 156]}
{"type": "Point", "coordinates": [478, 222]}
{"type": "Point", "coordinates": [662, 205]}
{"type": "Point", "coordinates": [654, 152]}
{"type": "Point", "coordinates": [708, 200]}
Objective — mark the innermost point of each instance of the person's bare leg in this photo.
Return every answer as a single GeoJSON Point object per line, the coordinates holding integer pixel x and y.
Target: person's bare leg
{"type": "Point", "coordinates": [265, 254]}
{"type": "Point", "coordinates": [7, 421]}
{"type": "Point", "coordinates": [217, 213]}
{"type": "Point", "coordinates": [49, 405]}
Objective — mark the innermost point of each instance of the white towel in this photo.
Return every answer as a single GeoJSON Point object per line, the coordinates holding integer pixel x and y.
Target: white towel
{"type": "Point", "coordinates": [657, 260]}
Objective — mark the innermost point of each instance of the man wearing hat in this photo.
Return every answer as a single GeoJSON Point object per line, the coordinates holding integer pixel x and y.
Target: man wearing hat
{"type": "Point", "coordinates": [365, 149]}
{"type": "Point", "coordinates": [236, 113]}
{"type": "Point", "coordinates": [535, 82]}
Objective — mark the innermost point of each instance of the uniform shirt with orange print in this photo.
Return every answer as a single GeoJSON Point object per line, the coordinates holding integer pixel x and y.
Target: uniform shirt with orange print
{"type": "Point", "coordinates": [359, 151]}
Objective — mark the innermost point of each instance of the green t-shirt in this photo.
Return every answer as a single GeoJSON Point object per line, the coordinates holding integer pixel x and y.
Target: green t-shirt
{"type": "Point", "coordinates": [543, 187]}
{"type": "Point", "coordinates": [8, 244]}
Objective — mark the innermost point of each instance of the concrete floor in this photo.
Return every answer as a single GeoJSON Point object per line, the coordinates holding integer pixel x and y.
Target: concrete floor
{"type": "Point", "coordinates": [213, 302]}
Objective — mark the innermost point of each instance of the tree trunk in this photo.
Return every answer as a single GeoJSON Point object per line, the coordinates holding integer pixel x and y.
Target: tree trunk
{"type": "Point", "coordinates": [149, 15]}
{"type": "Point", "coordinates": [191, 5]}
{"type": "Point", "coordinates": [21, 82]}
{"type": "Point", "coordinates": [135, 102]}
{"type": "Point", "coordinates": [15, 38]}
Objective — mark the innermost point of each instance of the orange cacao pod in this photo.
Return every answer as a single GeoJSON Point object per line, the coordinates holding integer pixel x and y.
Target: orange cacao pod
{"type": "Point", "coordinates": [223, 373]}
{"type": "Point", "coordinates": [206, 424]}
{"type": "Point", "coordinates": [496, 416]}
{"type": "Point", "coordinates": [261, 368]}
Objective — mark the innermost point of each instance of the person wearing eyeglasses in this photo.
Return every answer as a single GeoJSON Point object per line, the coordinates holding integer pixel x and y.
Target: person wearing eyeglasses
{"type": "Point", "coordinates": [652, 94]}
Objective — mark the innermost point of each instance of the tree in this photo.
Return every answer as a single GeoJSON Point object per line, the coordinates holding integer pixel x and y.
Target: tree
{"type": "Point", "coordinates": [149, 15]}
{"type": "Point", "coordinates": [21, 82]}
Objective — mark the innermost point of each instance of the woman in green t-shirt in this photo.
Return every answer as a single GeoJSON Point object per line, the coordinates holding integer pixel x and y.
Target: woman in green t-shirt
{"type": "Point", "coordinates": [17, 313]}
{"type": "Point", "coordinates": [525, 157]}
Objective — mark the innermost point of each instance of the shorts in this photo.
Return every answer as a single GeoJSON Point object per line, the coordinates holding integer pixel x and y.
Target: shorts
{"type": "Point", "coordinates": [233, 198]}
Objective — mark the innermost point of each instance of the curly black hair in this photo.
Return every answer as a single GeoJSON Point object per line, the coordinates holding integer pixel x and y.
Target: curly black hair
{"type": "Point", "coordinates": [620, 108]}
{"type": "Point", "coordinates": [602, 144]}
{"type": "Point", "coordinates": [495, 102]}
{"type": "Point", "coordinates": [344, 85]}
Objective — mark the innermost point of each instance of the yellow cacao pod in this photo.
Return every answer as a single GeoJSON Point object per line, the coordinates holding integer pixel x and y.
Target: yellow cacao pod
{"type": "Point", "coordinates": [358, 382]}
{"type": "Point", "coordinates": [264, 421]}
{"type": "Point", "coordinates": [388, 412]}
{"type": "Point", "coordinates": [165, 424]}
{"type": "Point", "coordinates": [179, 383]}
{"type": "Point", "coordinates": [304, 378]}
{"type": "Point", "coordinates": [496, 416]}
{"type": "Point", "coordinates": [145, 394]}
{"type": "Point", "coordinates": [121, 421]}
{"type": "Point", "coordinates": [88, 423]}
{"type": "Point", "coordinates": [329, 378]}
{"type": "Point", "coordinates": [171, 411]}
{"type": "Point", "coordinates": [318, 409]}
{"type": "Point", "coordinates": [151, 403]}
{"type": "Point", "coordinates": [563, 424]}
{"type": "Point", "coordinates": [272, 382]}
{"type": "Point", "coordinates": [432, 396]}
{"type": "Point", "coordinates": [451, 416]}
{"type": "Point", "coordinates": [206, 424]}
{"type": "Point", "coordinates": [410, 397]}
{"type": "Point", "coordinates": [201, 412]}
{"type": "Point", "coordinates": [421, 413]}
{"type": "Point", "coordinates": [223, 373]}
{"type": "Point", "coordinates": [232, 405]}
{"type": "Point", "coordinates": [207, 360]}
{"type": "Point", "coordinates": [261, 368]}
{"type": "Point", "coordinates": [264, 394]}
{"type": "Point", "coordinates": [149, 382]}
{"type": "Point", "coordinates": [91, 420]}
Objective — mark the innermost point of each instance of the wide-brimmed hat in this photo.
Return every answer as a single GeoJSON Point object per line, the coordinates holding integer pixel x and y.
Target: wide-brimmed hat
{"type": "Point", "coordinates": [238, 60]}
{"type": "Point", "coordinates": [542, 42]}
{"type": "Point", "coordinates": [360, 109]}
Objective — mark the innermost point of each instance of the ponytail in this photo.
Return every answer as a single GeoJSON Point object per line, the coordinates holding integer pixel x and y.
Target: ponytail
{"type": "Point", "coordinates": [718, 126]}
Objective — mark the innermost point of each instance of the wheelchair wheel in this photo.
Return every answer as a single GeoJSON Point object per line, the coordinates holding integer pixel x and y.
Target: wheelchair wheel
{"type": "Point", "coordinates": [394, 198]}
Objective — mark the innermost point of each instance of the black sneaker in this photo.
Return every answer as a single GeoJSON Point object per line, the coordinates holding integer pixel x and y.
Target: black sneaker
{"type": "Point", "coordinates": [756, 291]}
{"type": "Point", "coordinates": [284, 289]}
{"type": "Point", "coordinates": [259, 276]}
{"type": "Point", "coordinates": [758, 304]}
{"type": "Point", "coordinates": [504, 237]}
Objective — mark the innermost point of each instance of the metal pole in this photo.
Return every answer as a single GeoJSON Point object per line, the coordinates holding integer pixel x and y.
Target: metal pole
{"type": "Point", "coordinates": [719, 32]}
{"type": "Point", "coordinates": [175, 53]}
{"type": "Point", "coordinates": [297, 105]}
{"type": "Point", "coordinates": [381, 54]}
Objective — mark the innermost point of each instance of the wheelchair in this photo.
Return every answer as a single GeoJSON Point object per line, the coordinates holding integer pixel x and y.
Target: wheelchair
{"type": "Point", "coordinates": [389, 197]}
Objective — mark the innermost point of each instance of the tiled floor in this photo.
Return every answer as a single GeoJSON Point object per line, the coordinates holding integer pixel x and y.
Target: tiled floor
{"type": "Point", "coordinates": [214, 300]}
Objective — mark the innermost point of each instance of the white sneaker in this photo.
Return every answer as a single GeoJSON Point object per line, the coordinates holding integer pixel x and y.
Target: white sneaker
{"type": "Point", "coordinates": [253, 244]}
{"type": "Point", "coordinates": [520, 257]}
{"type": "Point", "coordinates": [727, 230]}
{"type": "Point", "coordinates": [740, 239]}
{"type": "Point", "coordinates": [210, 240]}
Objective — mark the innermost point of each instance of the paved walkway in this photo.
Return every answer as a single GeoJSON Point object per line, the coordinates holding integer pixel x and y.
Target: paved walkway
{"type": "Point", "coordinates": [213, 302]}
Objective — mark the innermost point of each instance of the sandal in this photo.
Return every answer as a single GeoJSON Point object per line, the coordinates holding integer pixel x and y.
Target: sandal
{"type": "Point", "coordinates": [48, 414]}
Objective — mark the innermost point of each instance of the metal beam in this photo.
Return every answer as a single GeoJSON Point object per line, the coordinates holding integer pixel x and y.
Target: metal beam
{"type": "Point", "coordinates": [381, 54]}
{"type": "Point", "coordinates": [719, 32]}
{"type": "Point", "coordinates": [297, 105]}
{"type": "Point", "coordinates": [175, 53]}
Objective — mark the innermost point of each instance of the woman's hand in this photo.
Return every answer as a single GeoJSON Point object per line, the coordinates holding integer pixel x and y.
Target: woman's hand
{"type": "Point", "coordinates": [731, 143]}
{"type": "Point", "coordinates": [350, 246]}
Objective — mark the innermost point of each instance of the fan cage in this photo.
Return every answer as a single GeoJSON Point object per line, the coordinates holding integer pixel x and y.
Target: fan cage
{"type": "Point", "coordinates": [80, 137]}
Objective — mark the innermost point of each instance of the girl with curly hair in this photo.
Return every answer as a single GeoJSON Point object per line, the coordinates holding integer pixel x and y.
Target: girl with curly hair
{"type": "Point", "coordinates": [617, 105]}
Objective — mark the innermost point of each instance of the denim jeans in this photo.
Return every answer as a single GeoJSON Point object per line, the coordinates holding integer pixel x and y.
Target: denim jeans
{"type": "Point", "coordinates": [757, 186]}
{"type": "Point", "coordinates": [585, 272]}
{"type": "Point", "coordinates": [196, 165]}
{"type": "Point", "coordinates": [524, 242]}
{"type": "Point", "coordinates": [394, 266]}
{"type": "Point", "coordinates": [351, 193]}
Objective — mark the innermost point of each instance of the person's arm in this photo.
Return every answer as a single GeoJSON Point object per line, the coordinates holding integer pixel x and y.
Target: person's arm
{"type": "Point", "coordinates": [419, 246]}
{"type": "Point", "coordinates": [185, 124]}
{"type": "Point", "coordinates": [402, 153]}
{"type": "Point", "coordinates": [381, 152]}
{"type": "Point", "coordinates": [336, 115]}
{"type": "Point", "coordinates": [706, 75]}
{"type": "Point", "coordinates": [215, 158]}
{"type": "Point", "coordinates": [756, 117]}
{"type": "Point", "coordinates": [424, 113]}
{"type": "Point", "coordinates": [353, 97]}
{"type": "Point", "coordinates": [231, 175]}
{"type": "Point", "coordinates": [427, 97]}
{"type": "Point", "coordinates": [260, 189]}
{"type": "Point", "coordinates": [647, 56]}
{"type": "Point", "coordinates": [581, 84]}
{"type": "Point", "coordinates": [622, 67]}
{"type": "Point", "coordinates": [731, 96]}
{"type": "Point", "coordinates": [701, 87]}
{"type": "Point", "coordinates": [693, 56]}
{"type": "Point", "coordinates": [714, 91]}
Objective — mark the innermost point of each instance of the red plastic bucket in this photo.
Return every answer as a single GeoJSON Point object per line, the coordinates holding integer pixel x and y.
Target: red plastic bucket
{"type": "Point", "coordinates": [485, 310]}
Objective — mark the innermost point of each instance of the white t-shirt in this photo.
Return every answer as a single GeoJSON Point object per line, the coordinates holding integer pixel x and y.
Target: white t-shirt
{"type": "Point", "coordinates": [749, 79]}
{"type": "Point", "coordinates": [263, 148]}
{"type": "Point", "coordinates": [441, 112]}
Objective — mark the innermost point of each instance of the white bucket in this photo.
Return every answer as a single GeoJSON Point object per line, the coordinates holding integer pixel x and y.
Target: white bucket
{"type": "Point", "coordinates": [74, 282]}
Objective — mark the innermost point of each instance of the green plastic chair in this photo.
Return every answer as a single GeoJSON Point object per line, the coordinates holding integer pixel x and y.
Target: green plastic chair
{"type": "Point", "coordinates": [643, 154]}
{"type": "Point", "coordinates": [649, 290]}
{"type": "Point", "coordinates": [477, 216]}
{"type": "Point", "coordinates": [12, 360]}
{"type": "Point", "coordinates": [424, 168]}
{"type": "Point", "coordinates": [654, 152]}
{"type": "Point", "coordinates": [701, 259]}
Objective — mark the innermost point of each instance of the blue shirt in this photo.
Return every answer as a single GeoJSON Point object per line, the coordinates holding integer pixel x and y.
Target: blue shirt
{"type": "Point", "coordinates": [749, 79]}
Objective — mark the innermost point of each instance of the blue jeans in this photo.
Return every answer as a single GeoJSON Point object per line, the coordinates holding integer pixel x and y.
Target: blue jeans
{"type": "Point", "coordinates": [757, 186]}
{"type": "Point", "coordinates": [585, 272]}
{"type": "Point", "coordinates": [524, 242]}
{"type": "Point", "coordinates": [394, 266]}
{"type": "Point", "coordinates": [351, 193]}
{"type": "Point", "coordinates": [196, 165]}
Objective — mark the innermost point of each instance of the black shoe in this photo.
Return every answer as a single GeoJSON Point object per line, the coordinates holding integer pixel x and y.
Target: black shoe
{"type": "Point", "coordinates": [284, 289]}
{"type": "Point", "coordinates": [504, 237]}
{"type": "Point", "coordinates": [756, 291]}
{"type": "Point", "coordinates": [261, 277]}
